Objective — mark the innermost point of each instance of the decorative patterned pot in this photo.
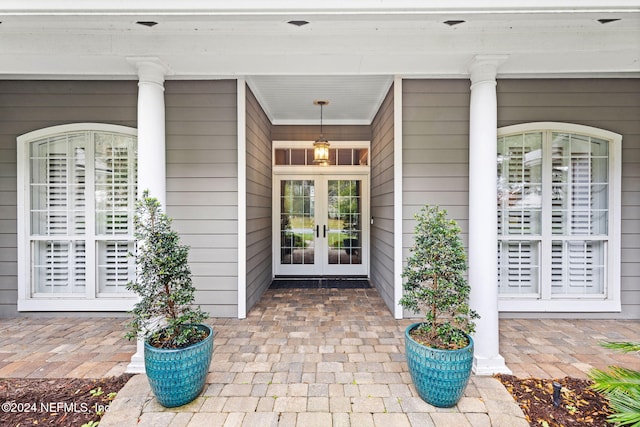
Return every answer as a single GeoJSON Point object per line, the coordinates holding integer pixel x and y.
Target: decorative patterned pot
{"type": "Point", "coordinates": [177, 376]}
{"type": "Point", "coordinates": [440, 376]}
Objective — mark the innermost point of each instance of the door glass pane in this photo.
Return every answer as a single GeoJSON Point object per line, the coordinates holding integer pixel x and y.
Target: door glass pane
{"type": "Point", "coordinates": [344, 221]}
{"type": "Point", "coordinates": [297, 221]}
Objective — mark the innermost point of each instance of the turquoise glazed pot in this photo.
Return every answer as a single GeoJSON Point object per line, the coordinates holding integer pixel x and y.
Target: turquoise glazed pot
{"type": "Point", "coordinates": [440, 376]}
{"type": "Point", "coordinates": [177, 376]}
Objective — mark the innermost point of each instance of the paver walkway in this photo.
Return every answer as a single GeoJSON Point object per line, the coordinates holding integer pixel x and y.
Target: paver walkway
{"type": "Point", "coordinates": [556, 348]}
{"type": "Point", "coordinates": [57, 347]}
{"type": "Point", "coordinates": [308, 357]}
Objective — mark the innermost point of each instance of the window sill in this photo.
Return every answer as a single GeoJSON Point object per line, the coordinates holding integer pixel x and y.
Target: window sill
{"type": "Point", "coordinates": [67, 304]}
{"type": "Point", "coordinates": [559, 305]}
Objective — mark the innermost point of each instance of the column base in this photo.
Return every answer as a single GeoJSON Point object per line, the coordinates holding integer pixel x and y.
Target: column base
{"type": "Point", "coordinates": [136, 366]}
{"type": "Point", "coordinates": [490, 366]}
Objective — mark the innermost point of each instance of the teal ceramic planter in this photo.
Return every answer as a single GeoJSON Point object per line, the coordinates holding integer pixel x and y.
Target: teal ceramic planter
{"type": "Point", "coordinates": [440, 376]}
{"type": "Point", "coordinates": [177, 376]}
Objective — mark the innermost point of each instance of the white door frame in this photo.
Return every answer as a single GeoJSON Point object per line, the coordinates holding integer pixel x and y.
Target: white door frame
{"type": "Point", "coordinates": [322, 174]}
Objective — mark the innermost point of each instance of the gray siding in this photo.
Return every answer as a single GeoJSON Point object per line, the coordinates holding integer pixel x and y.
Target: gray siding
{"type": "Point", "coordinates": [611, 104]}
{"type": "Point", "coordinates": [311, 132]}
{"type": "Point", "coordinates": [435, 140]}
{"type": "Point", "coordinates": [26, 106]}
{"type": "Point", "coordinates": [202, 182]}
{"type": "Point", "coordinates": [382, 200]}
{"type": "Point", "coordinates": [259, 184]}
{"type": "Point", "coordinates": [435, 152]}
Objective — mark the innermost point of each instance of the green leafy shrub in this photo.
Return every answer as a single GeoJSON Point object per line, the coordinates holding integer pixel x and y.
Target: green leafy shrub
{"type": "Point", "coordinates": [164, 316]}
{"type": "Point", "coordinates": [621, 386]}
{"type": "Point", "coordinates": [435, 283]}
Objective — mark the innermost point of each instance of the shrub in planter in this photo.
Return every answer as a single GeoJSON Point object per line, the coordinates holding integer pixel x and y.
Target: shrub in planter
{"type": "Point", "coordinates": [439, 349]}
{"type": "Point", "coordinates": [165, 316]}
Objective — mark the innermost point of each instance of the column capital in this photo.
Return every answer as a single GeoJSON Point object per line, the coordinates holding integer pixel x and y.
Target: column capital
{"type": "Point", "coordinates": [150, 69]}
{"type": "Point", "coordinates": [484, 68]}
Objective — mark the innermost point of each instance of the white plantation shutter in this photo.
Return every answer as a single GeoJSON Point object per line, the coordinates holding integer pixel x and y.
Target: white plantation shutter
{"type": "Point", "coordinates": [63, 169]}
{"type": "Point", "coordinates": [518, 267]}
{"type": "Point", "coordinates": [566, 211]}
{"type": "Point", "coordinates": [57, 209]}
{"type": "Point", "coordinates": [115, 266]}
{"type": "Point", "coordinates": [578, 267]}
{"type": "Point", "coordinates": [115, 163]}
{"type": "Point", "coordinates": [519, 206]}
{"type": "Point", "coordinates": [578, 264]}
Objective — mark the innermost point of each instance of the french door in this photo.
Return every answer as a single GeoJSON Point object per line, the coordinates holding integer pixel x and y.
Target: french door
{"type": "Point", "coordinates": [321, 225]}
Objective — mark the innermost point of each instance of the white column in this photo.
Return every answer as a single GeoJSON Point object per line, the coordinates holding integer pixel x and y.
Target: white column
{"type": "Point", "coordinates": [151, 128]}
{"type": "Point", "coordinates": [483, 234]}
{"type": "Point", "coordinates": [151, 149]}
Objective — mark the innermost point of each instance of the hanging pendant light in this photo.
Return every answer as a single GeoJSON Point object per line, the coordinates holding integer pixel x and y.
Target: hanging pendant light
{"type": "Point", "coordinates": [321, 145]}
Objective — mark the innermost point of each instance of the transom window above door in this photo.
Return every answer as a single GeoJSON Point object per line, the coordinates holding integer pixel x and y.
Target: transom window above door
{"type": "Point", "coordinates": [76, 197]}
{"type": "Point", "coordinates": [301, 154]}
{"type": "Point", "coordinates": [558, 218]}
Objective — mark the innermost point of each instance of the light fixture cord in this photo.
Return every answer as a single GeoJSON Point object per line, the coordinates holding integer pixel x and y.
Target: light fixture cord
{"type": "Point", "coordinates": [321, 105]}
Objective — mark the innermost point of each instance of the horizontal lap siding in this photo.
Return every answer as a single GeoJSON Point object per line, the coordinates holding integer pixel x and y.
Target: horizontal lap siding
{"type": "Point", "coordinates": [311, 133]}
{"type": "Point", "coordinates": [26, 106]}
{"type": "Point", "coordinates": [382, 200]}
{"type": "Point", "coordinates": [202, 182]}
{"type": "Point", "coordinates": [435, 142]}
{"type": "Point", "coordinates": [435, 150]}
{"type": "Point", "coordinates": [611, 104]}
{"type": "Point", "coordinates": [259, 184]}
{"type": "Point", "coordinates": [435, 147]}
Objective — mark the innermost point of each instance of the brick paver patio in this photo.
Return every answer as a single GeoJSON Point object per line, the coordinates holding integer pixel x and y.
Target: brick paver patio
{"type": "Point", "coordinates": [57, 347]}
{"type": "Point", "coordinates": [305, 358]}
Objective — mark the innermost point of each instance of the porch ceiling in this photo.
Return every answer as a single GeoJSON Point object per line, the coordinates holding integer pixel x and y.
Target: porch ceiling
{"type": "Point", "coordinates": [289, 99]}
{"type": "Point", "coordinates": [347, 53]}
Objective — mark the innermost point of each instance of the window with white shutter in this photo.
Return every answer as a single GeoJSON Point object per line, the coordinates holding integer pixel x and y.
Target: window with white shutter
{"type": "Point", "coordinates": [77, 191]}
{"type": "Point", "coordinates": [558, 218]}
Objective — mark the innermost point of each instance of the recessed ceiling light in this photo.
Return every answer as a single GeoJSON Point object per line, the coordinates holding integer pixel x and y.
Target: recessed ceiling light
{"type": "Point", "coordinates": [607, 21]}
{"type": "Point", "coordinates": [453, 22]}
{"type": "Point", "coordinates": [147, 23]}
{"type": "Point", "coordinates": [298, 23]}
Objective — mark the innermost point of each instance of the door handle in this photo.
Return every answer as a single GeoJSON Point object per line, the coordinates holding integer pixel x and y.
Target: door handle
{"type": "Point", "coordinates": [324, 231]}
{"type": "Point", "coordinates": [317, 231]}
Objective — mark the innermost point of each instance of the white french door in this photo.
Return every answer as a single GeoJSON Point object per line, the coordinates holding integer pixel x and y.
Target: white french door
{"type": "Point", "coordinates": [321, 225]}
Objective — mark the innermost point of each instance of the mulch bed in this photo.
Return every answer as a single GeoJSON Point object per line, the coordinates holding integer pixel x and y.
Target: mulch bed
{"type": "Point", "coordinates": [74, 402]}
{"type": "Point", "coordinates": [579, 404]}
{"type": "Point", "coordinates": [56, 402]}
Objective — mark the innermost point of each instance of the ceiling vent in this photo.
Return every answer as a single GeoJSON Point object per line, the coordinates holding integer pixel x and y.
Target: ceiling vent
{"type": "Point", "coordinates": [608, 21]}
{"type": "Point", "coordinates": [147, 23]}
{"type": "Point", "coordinates": [298, 23]}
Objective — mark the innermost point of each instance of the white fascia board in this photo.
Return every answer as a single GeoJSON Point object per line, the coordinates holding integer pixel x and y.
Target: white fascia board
{"type": "Point", "coordinates": [240, 7]}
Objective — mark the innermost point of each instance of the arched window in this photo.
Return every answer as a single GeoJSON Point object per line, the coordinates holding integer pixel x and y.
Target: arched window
{"type": "Point", "coordinates": [558, 218]}
{"type": "Point", "coordinates": [76, 197]}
